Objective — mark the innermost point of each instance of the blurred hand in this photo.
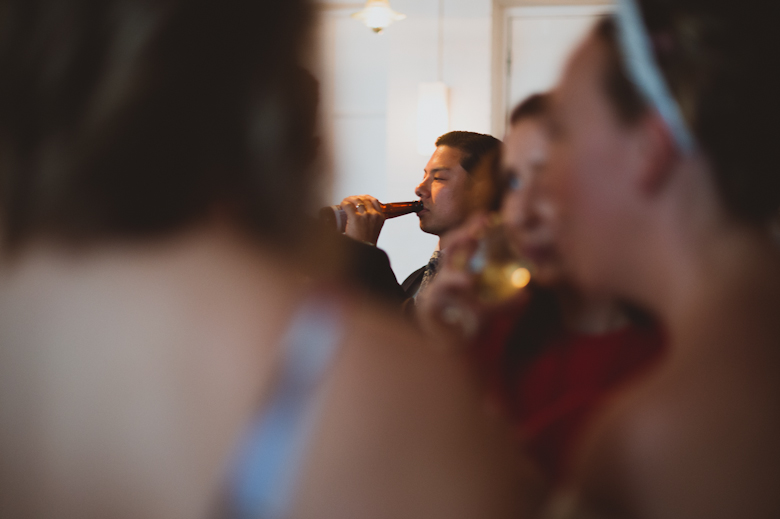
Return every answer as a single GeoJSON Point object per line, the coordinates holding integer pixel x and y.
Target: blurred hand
{"type": "Point", "coordinates": [364, 218]}
{"type": "Point", "coordinates": [449, 308]}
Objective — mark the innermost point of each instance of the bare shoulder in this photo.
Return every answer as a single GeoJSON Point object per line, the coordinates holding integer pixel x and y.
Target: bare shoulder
{"type": "Point", "coordinates": [403, 433]}
{"type": "Point", "coordinates": [128, 370]}
{"type": "Point", "coordinates": [700, 440]}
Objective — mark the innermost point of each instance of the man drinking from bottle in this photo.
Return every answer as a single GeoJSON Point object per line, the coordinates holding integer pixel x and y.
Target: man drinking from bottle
{"type": "Point", "coordinates": [461, 178]}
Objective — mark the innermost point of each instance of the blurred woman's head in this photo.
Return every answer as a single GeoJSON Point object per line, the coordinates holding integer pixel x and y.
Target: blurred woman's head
{"type": "Point", "coordinates": [621, 163]}
{"type": "Point", "coordinates": [129, 118]}
{"type": "Point", "coordinates": [526, 209]}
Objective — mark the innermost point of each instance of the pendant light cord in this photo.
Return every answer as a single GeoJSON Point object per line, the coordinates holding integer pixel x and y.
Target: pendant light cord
{"type": "Point", "coordinates": [440, 57]}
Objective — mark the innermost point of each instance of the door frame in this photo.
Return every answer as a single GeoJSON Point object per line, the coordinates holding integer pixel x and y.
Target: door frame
{"type": "Point", "coordinates": [503, 12]}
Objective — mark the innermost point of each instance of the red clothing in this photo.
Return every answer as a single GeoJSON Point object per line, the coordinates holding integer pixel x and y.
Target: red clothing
{"type": "Point", "coordinates": [551, 396]}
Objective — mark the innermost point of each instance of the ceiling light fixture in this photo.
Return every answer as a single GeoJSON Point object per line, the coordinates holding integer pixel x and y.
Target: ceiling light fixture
{"type": "Point", "coordinates": [377, 15]}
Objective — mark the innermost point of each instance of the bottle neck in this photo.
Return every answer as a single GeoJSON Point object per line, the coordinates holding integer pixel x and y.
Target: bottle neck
{"type": "Point", "coordinates": [394, 209]}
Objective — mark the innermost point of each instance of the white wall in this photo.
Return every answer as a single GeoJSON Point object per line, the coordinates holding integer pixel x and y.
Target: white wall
{"type": "Point", "coordinates": [353, 65]}
{"type": "Point", "coordinates": [360, 68]}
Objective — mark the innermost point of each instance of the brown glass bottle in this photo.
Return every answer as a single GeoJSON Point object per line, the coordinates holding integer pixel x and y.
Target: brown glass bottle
{"type": "Point", "coordinates": [394, 209]}
{"type": "Point", "coordinates": [334, 216]}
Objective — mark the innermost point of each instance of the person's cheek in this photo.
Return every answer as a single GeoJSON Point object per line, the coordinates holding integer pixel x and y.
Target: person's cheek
{"type": "Point", "coordinates": [512, 217]}
{"type": "Point", "coordinates": [435, 191]}
{"type": "Point", "coordinates": [553, 175]}
{"type": "Point", "coordinates": [557, 190]}
{"type": "Point", "coordinates": [442, 193]}
{"type": "Point", "coordinates": [510, 209]}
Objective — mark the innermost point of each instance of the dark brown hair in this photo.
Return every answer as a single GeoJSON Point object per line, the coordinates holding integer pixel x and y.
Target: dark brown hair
{"type": "Point", "coordinates": [719, 62]}
{"type": "Point", "coordinates": [130, 118]}
{"type": "Point", "coordinates": [474, 146]}
{"type": "Point", "coordinates": [533, 106]}
{"type": "Point", "coordinates": [476, 149]}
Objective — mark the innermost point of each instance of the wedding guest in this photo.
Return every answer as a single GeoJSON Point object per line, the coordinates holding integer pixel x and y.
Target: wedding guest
{"type": "Point", "coordinates": [554, 354]}
{"type": "Point", "coordinates": [161, 354]}
{"type": "Point", "coordinates": [662, 165]}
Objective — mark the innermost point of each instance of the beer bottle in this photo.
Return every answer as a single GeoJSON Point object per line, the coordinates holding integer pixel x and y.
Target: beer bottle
{"type": "Point", "coordinates": [335, 216]}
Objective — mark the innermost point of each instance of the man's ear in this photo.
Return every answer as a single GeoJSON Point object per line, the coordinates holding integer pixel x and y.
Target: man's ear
{"type": "Point", "coordinates": [656, 152]}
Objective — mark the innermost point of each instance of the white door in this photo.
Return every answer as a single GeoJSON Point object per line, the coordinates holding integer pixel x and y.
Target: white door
{"type": "Point", "coordinates": [540, 39]}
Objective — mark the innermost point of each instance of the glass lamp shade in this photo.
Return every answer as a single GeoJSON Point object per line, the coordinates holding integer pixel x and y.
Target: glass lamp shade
{"type": "Point", "coordinates": [377, 15]}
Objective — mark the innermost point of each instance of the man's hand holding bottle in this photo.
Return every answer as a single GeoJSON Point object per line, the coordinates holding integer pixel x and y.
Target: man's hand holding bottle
{"type": "Point", "coordinates": [364, 218]}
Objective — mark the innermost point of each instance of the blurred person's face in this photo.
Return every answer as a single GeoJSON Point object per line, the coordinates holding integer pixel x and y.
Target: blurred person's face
{"type": "Point", "coordinates": [527, 210]}
{"type": "Point", "coordinates": [445, 192]}
{"type": "Point", "coordinates": [593, 158]}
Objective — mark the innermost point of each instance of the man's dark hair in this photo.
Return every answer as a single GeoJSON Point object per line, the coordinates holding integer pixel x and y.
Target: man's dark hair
{"type": "Point", "coordinates": [474, 146]}
{"type": "Point", "coordinates": [533, 106]}
{"type": "Point", "coordinates": [476, 149]}
{"type": "Point", "coordinates": [126, 119]}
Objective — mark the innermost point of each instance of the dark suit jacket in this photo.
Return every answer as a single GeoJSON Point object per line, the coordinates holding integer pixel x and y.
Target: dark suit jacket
{"type": "Point", "coordinates": [410, 286]}
{"type": "Point", "coordinates": [363, 266]}
{"type": "Point", "coordinates": [412, 283]}
{"type": "Point", "coordinates": [368, 268]}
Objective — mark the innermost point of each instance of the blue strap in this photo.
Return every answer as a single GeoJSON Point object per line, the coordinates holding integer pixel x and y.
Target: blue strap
{"type": "Point", "coordinates": [643, 69]}
{"type": "Point", "coordinates": [269, 460]}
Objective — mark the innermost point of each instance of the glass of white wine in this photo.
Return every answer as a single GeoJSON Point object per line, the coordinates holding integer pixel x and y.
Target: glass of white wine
{"type": "Point", "coordinates": [500, 276]}
{"type": "Point", "coordinates": [501, 272]}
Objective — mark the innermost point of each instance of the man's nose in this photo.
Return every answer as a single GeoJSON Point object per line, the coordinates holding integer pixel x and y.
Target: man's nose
{"type": "Point", "coordinates": [422, 190]}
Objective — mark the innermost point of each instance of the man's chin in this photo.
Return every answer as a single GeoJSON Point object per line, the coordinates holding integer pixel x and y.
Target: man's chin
{"type": "Point", "coordinates": [428, 229]}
